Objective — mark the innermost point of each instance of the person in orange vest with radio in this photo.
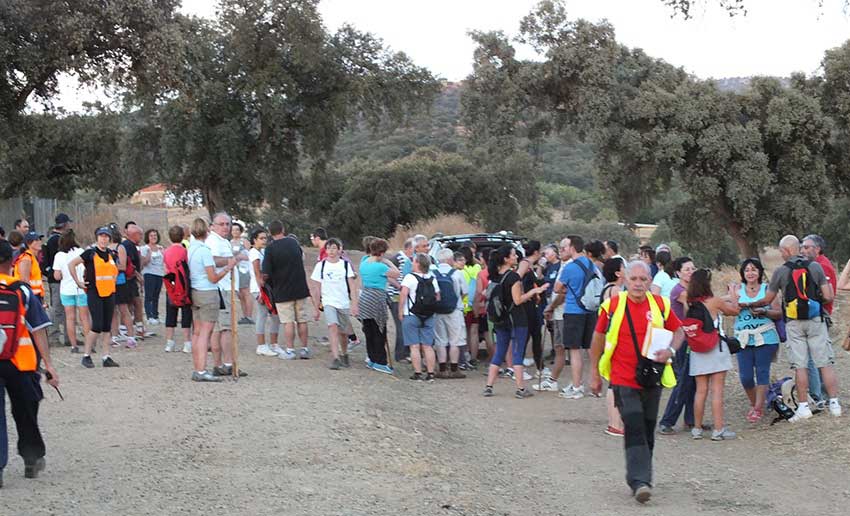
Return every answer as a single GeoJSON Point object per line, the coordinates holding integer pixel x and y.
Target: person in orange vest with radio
{"type": "Point", "coordinates": [101, 274]}
{"type": "Point", "coordinates": [23, 341]}
{"type": "Point", "coordinates": [636, 379]}
{"type": "Point", "coordinates": [27, 268]}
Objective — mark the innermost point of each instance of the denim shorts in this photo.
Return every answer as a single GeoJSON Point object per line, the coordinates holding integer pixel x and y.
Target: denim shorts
{"type": "Point", "coordinates": [418, 331]}
{"type": "Point", "coordinates": [78, 300]}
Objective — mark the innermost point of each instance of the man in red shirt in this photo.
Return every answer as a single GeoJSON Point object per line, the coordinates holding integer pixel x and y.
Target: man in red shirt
{"type": "Point", "coordinates": [812, 248]}
{"type": "Point", "coordinates": [613, 353]}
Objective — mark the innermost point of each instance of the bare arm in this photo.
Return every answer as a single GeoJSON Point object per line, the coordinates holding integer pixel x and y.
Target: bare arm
{"type": "Point", "coordinates": [122, 258]}
{"type": "Point", "coordinates": [402, 300]}
{"type": "Point", "coordinates": [214, 276]}
{"type": "Point", "coordinates": [39, 338]}
{"type": "Point", "coordinates": [25, 270]}
{"type": "Point", "coordinates": [560, 288]}
{"type": "Point", "coordinates": [146, 258]}
{"type": "Point", "coordinates": [315, 288]}
{"type": "Point", "coordinates": [520, 298]}
{"type": "Point", "coordinates": [844, 279]}
{"type": "Point", "coordinates": [597, 346]}
{"type": "Point", "coordinates": [355, 306]}
{"type": "Point", "coordinates": [261, 278]}
{"type": "Point", "coordinates": [827, 293]}
{"type": "Point", "coordinates": [72, 270]}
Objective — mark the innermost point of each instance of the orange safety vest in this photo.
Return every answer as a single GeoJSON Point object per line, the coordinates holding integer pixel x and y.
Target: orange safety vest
{"type": "Point", "coordinates": [35, 282]}
{"type": "Point", "coordinates": [25, 358]}
{"type": "Point", "coordinates": [105, 275]}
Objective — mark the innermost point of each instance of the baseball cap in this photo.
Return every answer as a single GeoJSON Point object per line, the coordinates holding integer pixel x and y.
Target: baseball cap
{"type": "Point", "coordinates": [62, 219]}
{"type": "Point", "coordinates": [103, 230]}
{"type": "Point", "coordinates": [5, 251]}
{"type": "Point", "coordinates": [32, 235]}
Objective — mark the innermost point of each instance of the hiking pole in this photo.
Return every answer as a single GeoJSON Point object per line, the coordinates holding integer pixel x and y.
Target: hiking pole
{"type": "Point", "coordinates": [234, 333]}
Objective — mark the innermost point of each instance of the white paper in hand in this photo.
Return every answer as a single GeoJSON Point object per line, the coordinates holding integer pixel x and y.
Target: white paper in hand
{"type": "Point", "coordinates": [657, 339]}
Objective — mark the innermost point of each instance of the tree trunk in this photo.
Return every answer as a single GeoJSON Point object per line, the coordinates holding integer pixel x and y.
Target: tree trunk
{"type": "Point", "coordinates": [746, 247]}
{"type": "Point", "coordinates": [213, 200]}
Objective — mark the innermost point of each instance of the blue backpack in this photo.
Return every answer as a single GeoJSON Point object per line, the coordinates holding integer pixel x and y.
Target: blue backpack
{"type": "Point", "coordinates": [448, 297]}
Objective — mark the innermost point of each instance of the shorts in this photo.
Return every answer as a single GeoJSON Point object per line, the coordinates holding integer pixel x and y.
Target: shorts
{"type": "Point", "coordinates": [292, 311]}
{"type": "Point", "coordinates": [418, 331]}
{"type": "Point", "coordinates": [469, 318]}
{"type": "Point", "coordinates": [102, 310]}
{"type": "Point", "coordinates": [578, 330]}
{"type": "Point", "coordinates": [171, 313]}
{"type": "Point", "coordinates": [449, 330]}
{"type": "Point", "coordinates": [78, 300]}
{"type": "Point", "coordinates": [126, 293]}
{"type": "Point", "coordinates": [224, 315]}
{"type": "Point", "coordinates": [339, 316]}
{"type": "Point", "coordinates": [205, 305]}
{"type": "Point", "coordinates": [809, 338]}
{"type": "Point", "coordinates": [244, 280]}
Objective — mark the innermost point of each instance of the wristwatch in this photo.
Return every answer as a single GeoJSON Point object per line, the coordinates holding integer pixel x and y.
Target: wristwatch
{"type": "Point", "coordinates": [672, 351]}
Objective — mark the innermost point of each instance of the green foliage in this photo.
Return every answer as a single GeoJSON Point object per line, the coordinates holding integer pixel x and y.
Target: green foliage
{"type": "Point", "coordinates": [601, 230]}
{"type": "Point", "coordinates": [709, 248]}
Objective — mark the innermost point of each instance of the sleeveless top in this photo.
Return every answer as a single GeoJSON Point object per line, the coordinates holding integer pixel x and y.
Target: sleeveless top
{"type": "Point", "coordinates": [754, 330]}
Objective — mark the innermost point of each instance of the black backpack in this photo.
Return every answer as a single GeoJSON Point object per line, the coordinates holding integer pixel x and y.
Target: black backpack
{"type": "Point", "coordinates": [802, 295]}
{"type": "Point", "coordinates": [425, 305]}
{"type": "Point", "coordinates": [497, 310]}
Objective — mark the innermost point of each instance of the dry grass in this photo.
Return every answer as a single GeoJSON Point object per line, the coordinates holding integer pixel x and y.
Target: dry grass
{"type": "Point", "coordinates": [446, 224]}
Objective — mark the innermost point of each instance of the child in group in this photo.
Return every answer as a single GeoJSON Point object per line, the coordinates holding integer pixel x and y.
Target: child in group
{"type": "Point", "coordinates": [418, 317]}
{"type": "Point", "coordinates": [334, 278]}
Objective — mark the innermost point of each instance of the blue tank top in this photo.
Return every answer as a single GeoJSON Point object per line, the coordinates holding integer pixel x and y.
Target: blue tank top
{"type": "Point", "coordinates": [747, 321]}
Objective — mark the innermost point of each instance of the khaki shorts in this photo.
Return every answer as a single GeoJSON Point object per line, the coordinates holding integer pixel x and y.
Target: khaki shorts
{"type": "Point", "coordinates": [808, 338]}
{"type": "Point", "coordinates": [292, 311]}
{"type": "Point", "coordinates": [224, 316]}
{"type": "Point", "coordinates": [205, 305]}
{"type": "Point", "coordinates": [449, 329]}
{"type": "Point", "coordinates": [339, 316]}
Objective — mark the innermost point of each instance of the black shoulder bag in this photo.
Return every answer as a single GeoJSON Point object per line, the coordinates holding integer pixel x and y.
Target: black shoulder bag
{"type": "Point", "coordinates": [648, 372]}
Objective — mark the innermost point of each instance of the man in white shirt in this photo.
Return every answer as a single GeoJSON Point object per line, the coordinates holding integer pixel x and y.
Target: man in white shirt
{"type": "Point", "coordinates": [450, 329]}
{"type": "Point", "coordinates": [222, 251]}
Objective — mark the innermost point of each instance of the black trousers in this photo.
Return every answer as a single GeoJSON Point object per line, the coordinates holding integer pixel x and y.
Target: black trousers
{"type": "Point", "coordinates": [376, 340]}
{"type": "Point", "coordinates": [639, 410]}
{"type": "Point", "coordinates": [535, 334]}
{"type": "Point", "coordinates": [25, 393]}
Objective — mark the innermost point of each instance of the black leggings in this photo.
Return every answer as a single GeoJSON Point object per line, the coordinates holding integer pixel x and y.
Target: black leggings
{"type": "Point", "coordinates": [535, 334]}
{"type": "Point", "coordinates": [171, 315]}
{"type": "Point", "coordinates": [102, 310]}
{"type": "Point", "coordinates": [376, 341]}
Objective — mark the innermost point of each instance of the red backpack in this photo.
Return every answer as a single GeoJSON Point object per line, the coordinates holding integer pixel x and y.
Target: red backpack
{"type": "Point", "coordinates": [699, 328]}
{"type": "Point", "coordinates": [177, 285]}
{"type": "Point", "coordinates": [12, 311]}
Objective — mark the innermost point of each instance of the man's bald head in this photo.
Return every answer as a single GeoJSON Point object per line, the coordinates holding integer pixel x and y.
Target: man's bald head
{"type": "Point", "coordinates": [789, 246]}
{"type": "Point", "coordinates": [134, 233]}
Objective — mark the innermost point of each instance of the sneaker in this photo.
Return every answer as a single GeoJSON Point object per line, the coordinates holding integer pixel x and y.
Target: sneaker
{"type": "Point", "coordinates": [335, 365]}
{"type": "Point", "coordinates": [345, 360]}
{"type": "Point", "coordinates": [117, 340]}
{"type": "Point", "coordinates": [820, 405]}
{"type": "Point", "coordinates": [152, 321]}
{"type": "Point", "coordinates": [131, 343]}
{"type": "Point", "coordinates": [488, 392]}
{"type": "Point", "coordinates": [75, 349]}
{"type": "Point", "coordinates": [521, 394]}
{"type": "Point", "coordinates": [465, 366]}
{"type": "Point", "coordinates": [723, 435]}
{"type": "Point", "coordinates": [369, 363]}
{"type": "Point", "coordinates": [264, 350]}
{"type": "Point", "coordinates": [206, 376]}
{"type": "Point", "coordinates": [834, 408]}
{"type": "Point", "coordinates": [547, 385]}
{"type": "Point", "coordinates": [803, 412]}
{"type": "Point", "coordinates": [753, 415]}
{"type": "Point", "coordinates": [245, 320]}
{"type": "Point", "coordinates": [526, 376]}
{"type": "Point", "coordinates": [417, 377]}
{"type": "Point", "coordinates": [615, 432]}
{"type": "Point", "coordinates": [547, 372]}
{"type": "Point", "coordinates": [571, 392]}
{"type": "Point", "coordinates": [169, 346]}
{"type": "Point", "coordinates": [667, 430]}
{"type": "Point", "coordinates": [472, 363]}
{"type": "Point", "coordinates": [146, 334]}
{"type": "Point", "coordinates": [429, 378]}
{"type": "Point", "coordinates": [108, 362]}
{"type": "Point", "coordinates": [187, 346]}
{"type": "Point", "coordinates": [382, 368]}
{"type": "Point", "coordinates": [643, 493]}
{"type": "Point", "coordinates": [288, 354]}
{"type": "Point", "coordinates": [224, 370]}
{"type": "Point", "coordinates": [456, 375]}
{"type": "Point", "coordinates": [442, 375]}
{"type": "Point", "coordinates": [87, 362]}
{"type": "Point", "coordinates": [506, 373]}
{"type": "Point", "coordinates": [696, 433]}
{"type": "Point", "coordinates": [305, 354]}
{"type": "Point", "coordinates": [528, 362]}
{"type": "Point", "coordinates": [353, 342]}
{"type": "Point", "coordinates": [277, 349]}
{"type": "Point", "coordinates": [32, 470]}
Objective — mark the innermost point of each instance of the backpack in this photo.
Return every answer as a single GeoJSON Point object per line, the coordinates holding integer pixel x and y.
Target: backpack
{"type": "Point", "coordinates": [425, 305]}
{"type": "Point", "coordinates": [448, 297]}
{"type": "Point", "coordinates": [345, 262]}
{"type": "Point", "coordinates": [699, 329]}
{"type": "Point", "coordinates": [497, 310]}
{"type": "Point", "coordinates": [178, 286]}
{"type": "Point", "coordinates": [802, 295]}
{"type": "Point", "coordinates": [12, 310]}
{"type": "Point", "coordinates": [265, 298]}
{"type": "Point", "coordinates": [590, 296]}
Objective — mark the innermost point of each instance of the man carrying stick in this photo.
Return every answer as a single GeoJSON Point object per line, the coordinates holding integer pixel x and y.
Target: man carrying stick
{"type": "Point", "coordinates": [222, 251]}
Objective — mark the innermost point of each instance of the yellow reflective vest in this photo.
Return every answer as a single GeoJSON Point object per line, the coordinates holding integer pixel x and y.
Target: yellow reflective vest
{"type": "Point", "coordinates": [615, 320]}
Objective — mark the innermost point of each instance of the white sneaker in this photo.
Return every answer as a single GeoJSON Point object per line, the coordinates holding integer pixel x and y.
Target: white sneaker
{"type": "Point", "coordinates": [122, 327]}
{"type": "Point", "coordinates": [803, 412]}
{"type": "Point", "coordinates": [834, 408]}
{"type": "Point", "coordinates": [288, 354]}
{"type": "Point", "coordinates": [547, 371]}
{"type": "Point", "coordinates": [525, 376]}
{"type": "Point", "coordinates": [169, 346]}
{"type": "Point", "coordinates": [571, 392]}
{"type": "Point", "coordinates": [187, 346]}
{"type": "Point", "coordinates": [548, 385]}
{"type": "Point", "coordinates": [152, 322]}
{"type": "Point", "coordinates": [528, 362]}
{"type": "Point", "coordinates": [265, 351]}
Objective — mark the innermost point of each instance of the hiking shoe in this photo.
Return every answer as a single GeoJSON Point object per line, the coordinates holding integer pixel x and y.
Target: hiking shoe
{"type": "Point", "coordinates": [723, 435]}
{"type": "Point", "coordinates": [521, 394]}
{"type": "Point", "coordinates": [335, 365]}
{"type": "Point", "coordinates": [206, 376]}
{"type": "Point", "coordinates": [442, 375]}
{"type": "Point", "coordinates": [547, 385]}
{"type": "Point", "coordinates": [416, 377]}
{"type": "Point", "coordinates": [187, 346]}
{"type": "Point", "coordinates": [429, 378]}
{"type": "Point", "coordinates": [169, 346]}
{"type": "Point", "coordinates": [456, 375]}
{"type": "Point", "coordinates": [488, 392]}
{"type": "Point", "coordinates": [264, 350]}
{"type": "Point", "coordinates": [803, 412]}
{"type": "Point", "coordinates": [305, 354]}
{"type": "Point", "coordinates": [834, 408]}
{"type": "Point", "coordinates": [108, 362]}
{"type": "Point", "coordinates": [87, 362]}
{"type": "Point", "coordinates": [75, 349]}
{"type": "Point", "coordinates": [615, 432]}
{"type": "Point", "coordinates": [571, 392]}
{"type": "Point", "coordinates": [224, 370]}
{"type": "Point", "coordinates": [667, 430]}
{"type": "Point", "coordinates": [287, 354]}
{"type": "Point", "coordinates": [643, 493]}
{"type": "Point", "coordinates": [31, 470]}
{"type": "Point", "coordinates": [345, 361]}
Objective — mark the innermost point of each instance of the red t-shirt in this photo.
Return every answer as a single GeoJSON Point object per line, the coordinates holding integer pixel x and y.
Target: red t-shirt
{"type": "Point", "coordinates": [173, 254]}
{"type": "Point", "coordinates": [323, 252]}
{"type": "Point", "coordinates": [829, 271]}
{"type": "Point", "coordinates": [483, 280]}
{"type": "Point", "coordinates": [624, 361]}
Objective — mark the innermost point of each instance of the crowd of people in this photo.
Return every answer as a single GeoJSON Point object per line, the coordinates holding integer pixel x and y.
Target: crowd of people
{"type": "Point", "coordinates": [650, 321]}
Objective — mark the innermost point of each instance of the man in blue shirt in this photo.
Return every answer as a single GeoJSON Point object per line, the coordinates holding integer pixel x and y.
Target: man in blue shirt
{"type": "Point", "coordinates": [578, 322]}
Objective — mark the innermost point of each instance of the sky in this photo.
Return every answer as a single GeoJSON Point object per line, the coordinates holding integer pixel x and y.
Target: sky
{"type": "Point", "coordinates": [776, 37]}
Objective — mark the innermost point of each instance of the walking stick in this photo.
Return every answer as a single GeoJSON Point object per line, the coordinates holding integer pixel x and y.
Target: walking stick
{"type": "Point", "coordinates": [234, 333]}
